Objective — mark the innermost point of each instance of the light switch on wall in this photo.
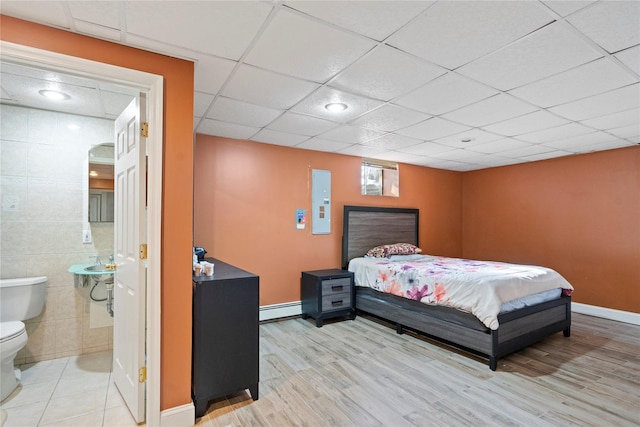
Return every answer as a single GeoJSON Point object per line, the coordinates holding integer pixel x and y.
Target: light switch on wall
{"type": "Point", "coordinates": [86, 236]}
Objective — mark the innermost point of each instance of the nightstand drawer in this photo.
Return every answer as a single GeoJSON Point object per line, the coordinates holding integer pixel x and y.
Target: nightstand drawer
{"type": "Point", "coordinates": [336, 301]}
{"type": "Point", "coordinates": [336, 286]}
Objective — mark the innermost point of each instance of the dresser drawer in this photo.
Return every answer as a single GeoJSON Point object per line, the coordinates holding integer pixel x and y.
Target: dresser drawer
{"type": "Point", "coordinates": [336, 286]}
{"type": "Point", "coordinates": [336, 301]}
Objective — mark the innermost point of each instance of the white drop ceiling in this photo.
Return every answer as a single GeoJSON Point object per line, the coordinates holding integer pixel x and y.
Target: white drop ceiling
{"type": "Point", "coordinates": [458, 85]}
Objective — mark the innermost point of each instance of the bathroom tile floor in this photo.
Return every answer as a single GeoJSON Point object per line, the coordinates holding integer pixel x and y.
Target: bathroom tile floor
{"type": "Point", "coordinates": [72, 391]}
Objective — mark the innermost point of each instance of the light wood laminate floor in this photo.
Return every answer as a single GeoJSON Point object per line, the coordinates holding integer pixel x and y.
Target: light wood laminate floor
{"type": "Point", "coordinates": [361, 373]}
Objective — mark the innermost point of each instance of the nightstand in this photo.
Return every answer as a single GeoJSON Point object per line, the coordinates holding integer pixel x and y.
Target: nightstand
{"type": "Point", "coordinates": [327, 294]}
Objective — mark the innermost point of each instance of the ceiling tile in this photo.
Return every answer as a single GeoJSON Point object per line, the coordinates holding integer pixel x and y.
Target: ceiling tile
{"type": "Point", "coordinates": [314, 105]}
{"type": "Point", "coordinates": [616, 120]}
{"type": "Point", "coordinates": [211, 72]}
{"type": "Point", "coordinates": [201, 102]}
{"type": "Point", "coordinates": [321, 144]}
{"type": "Point", "coordinates": [499, 146]}
{"type": "Point", "coordinates": [230, 110]}
{"type": "Point", "coordinates": [304, 48]}
{"type": "Point", "coordinates": [547, 155]}
{"type": "Point", "coordinates": [115, 103]}
{"type": "Point", "coordinates": [160, 47]}
{"type": "Point", "coordinates": [580, 82]}
{"type": "Point", "coordinates": [44, 12]}
{"type": "Point", "coordinates": [361, 151]}
{"type": "Point", "coordinates": [392, 141]}
{"type": "Point", "coordinates": [529, 150]}
{"type": "Point", "coordinates": [386, 73]}
{"type": "Point", "coordinates": [389, 118]}
{"type": "Point", "coordinates": [267, 88]}
{"type": "Point", "coordinates": [102, 13]}
{"type": "Point", "coordinates": [445, 94]}
{"type": "Point", "coordinates": [553, 134]}
{"type": "Point", "coordinates": [468, 138]}
{"type": "Point", "coordinates": [631, 58]}
{"type": "Point", "coordinates": [425, 149]}
{"type": "Point", "coordinates": [431, 129]}
{"type": "Point", "coordinates": [582, 140]}
{"type": "Point", "coordinates": [396, 156]}
{"type": "Point", "coordinates": [461, 155]}
{"type": "Point", "coordinates": [98, 31]}
{"type": "Point", "coordinates": [278, 138]}
{"type": "Point", "coordinates": [566, 7]}
{"type": "Point", "coordinates": [545, 52]}
{"type": "Point", "coordinates": [351, 134]}
{"type": "Point", "coordinates": [625, 98]}
{"type": "Point", "coordinates": [374, 19]}
{"type": "Point", "coordinates": [614, 25]}
{"type": "Point", "coordinates": [491, 110]}
{"type": "Point", "coordinates": [626, 132]}
{"type": "Point", "coordinates": [599, 146]}
{"type": "Point", "coordinates": [453, 33]}
{"type": "Point", "coordinates": [223, 29]}
{"type": "Point", "coordinates": [301, 124]}
{"type": "Point", "coordinates": [84, 98]}
{"type": "Point", "coordinates": [527, 123]}
{"type": "Point", "coordinates": [224, 129]}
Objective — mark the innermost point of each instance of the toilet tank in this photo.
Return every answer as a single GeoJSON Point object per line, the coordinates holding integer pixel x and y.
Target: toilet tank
{"type": "Point", "coordinates": [23, 298]}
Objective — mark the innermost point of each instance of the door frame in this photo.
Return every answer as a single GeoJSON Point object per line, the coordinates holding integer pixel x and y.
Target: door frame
{"type": "Point", "coordinates": [152, 84]}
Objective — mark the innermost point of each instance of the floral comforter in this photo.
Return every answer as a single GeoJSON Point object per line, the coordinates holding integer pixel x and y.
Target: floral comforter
{"type": "Point", "coordinates": [479, 287]}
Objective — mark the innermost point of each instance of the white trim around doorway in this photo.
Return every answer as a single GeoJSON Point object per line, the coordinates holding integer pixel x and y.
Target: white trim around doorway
{"type": "Point", "coordinates": [153, 85]}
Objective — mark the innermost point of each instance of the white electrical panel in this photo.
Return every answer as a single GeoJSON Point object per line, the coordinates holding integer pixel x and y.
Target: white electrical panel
{"type": "Point", "coordinates": [321, 202]}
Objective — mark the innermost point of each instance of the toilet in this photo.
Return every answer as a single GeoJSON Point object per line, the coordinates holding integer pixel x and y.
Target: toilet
{"type": "Point", "coordinates": [20, 299]}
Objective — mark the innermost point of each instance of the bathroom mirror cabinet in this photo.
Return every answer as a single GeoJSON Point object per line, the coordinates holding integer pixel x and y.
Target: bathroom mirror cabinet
{"type": "Point", "coordinates": [101, 160]}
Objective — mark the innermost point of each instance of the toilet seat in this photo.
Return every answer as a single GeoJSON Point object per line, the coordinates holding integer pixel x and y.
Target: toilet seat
{"type": "Point", "coordinates": [11, 330]}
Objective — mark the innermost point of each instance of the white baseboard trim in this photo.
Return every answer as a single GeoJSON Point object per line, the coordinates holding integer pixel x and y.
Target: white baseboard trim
{"type": "Point", "coordinates": [276, 311]}
{"type": "Point", "coordinates": [606, 313]}
{"type": "Point", "coordinates": [179, 416]}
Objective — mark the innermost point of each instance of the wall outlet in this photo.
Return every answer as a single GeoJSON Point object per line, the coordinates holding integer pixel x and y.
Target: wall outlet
{"type": "Point", "coordinates": [86, 236]}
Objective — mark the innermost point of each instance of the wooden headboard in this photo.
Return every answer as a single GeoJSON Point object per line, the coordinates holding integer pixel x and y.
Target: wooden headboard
{"type": "Point", "coordinates": [365, 227]}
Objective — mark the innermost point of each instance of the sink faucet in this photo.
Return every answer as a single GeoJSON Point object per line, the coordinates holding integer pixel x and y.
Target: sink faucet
{"type": "Point", "coordinates": [98, 262]}
{"type": "Point", "coordinates": [111, 259]}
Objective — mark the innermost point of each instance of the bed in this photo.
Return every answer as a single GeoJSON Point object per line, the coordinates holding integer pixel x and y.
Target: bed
{"type": "Point", "coordinates": [366, 227]}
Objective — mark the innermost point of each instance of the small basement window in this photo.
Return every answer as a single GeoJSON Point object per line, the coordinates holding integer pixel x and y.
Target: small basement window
{"type": "Point", "coordinates": [380, 178]}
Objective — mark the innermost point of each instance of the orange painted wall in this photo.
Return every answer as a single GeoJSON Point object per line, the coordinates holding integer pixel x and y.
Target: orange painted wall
{"type": "Point", "coordinates": [247, 193]}
{"type": "Point", "coordinates": [177, 183]}
{"type": "Point", "coordinates": [579, 215]}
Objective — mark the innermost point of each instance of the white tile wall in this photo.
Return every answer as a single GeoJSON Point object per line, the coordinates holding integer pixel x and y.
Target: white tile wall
{"type": "Point", "coordinates": [44, 165]}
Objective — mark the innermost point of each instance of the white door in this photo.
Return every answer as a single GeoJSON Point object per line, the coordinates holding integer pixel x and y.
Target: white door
{"type": "Point", "coordinates": [130, 276]}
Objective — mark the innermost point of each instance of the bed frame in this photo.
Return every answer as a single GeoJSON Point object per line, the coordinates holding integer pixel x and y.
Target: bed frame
{"type": "Point", "coordinates": [366, 227]}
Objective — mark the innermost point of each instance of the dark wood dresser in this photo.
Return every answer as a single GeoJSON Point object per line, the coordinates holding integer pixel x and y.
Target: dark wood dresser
{"type": "Point", "coordinates": [225, 334]}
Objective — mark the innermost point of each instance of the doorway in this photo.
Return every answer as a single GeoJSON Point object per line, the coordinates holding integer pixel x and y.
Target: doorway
{"type": "Point", "coordinates": [153, 86]}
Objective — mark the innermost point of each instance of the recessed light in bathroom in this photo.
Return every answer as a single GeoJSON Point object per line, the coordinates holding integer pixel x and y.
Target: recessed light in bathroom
{"type": "Point", "coordinates": [336, 107]}
{"type": "Point", "coordinates": [54, 95]}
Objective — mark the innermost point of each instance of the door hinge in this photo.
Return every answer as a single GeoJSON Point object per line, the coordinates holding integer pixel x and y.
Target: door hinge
{"type": "Point", "coordinates": [142, 374]}
{"type": "Point", "coordinates": [144, 129]}
{"type": "Point", "coordinates": [143, 251]}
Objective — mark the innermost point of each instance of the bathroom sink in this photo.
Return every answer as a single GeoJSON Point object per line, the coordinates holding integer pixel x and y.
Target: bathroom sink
{"type": "Point", "coordinates": [99, 268]}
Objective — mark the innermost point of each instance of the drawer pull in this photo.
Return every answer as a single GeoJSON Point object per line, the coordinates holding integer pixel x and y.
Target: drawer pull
{"type": "Point", "coordinates": [336, 288]}
{"type": "Point", "coordinates": [336, 303]}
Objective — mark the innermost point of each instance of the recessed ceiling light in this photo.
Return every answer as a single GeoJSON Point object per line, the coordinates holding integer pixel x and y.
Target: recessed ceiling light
{"type": "Point", "coordinates": [336, 107]}
{"type": "Point", "coordinates": [54, 95]}
{"type": "Point", "coordinates": [73, 127]}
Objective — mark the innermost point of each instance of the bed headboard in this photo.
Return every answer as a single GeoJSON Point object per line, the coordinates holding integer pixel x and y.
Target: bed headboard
{"type": "Point", "coordinates": [365, 227]}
